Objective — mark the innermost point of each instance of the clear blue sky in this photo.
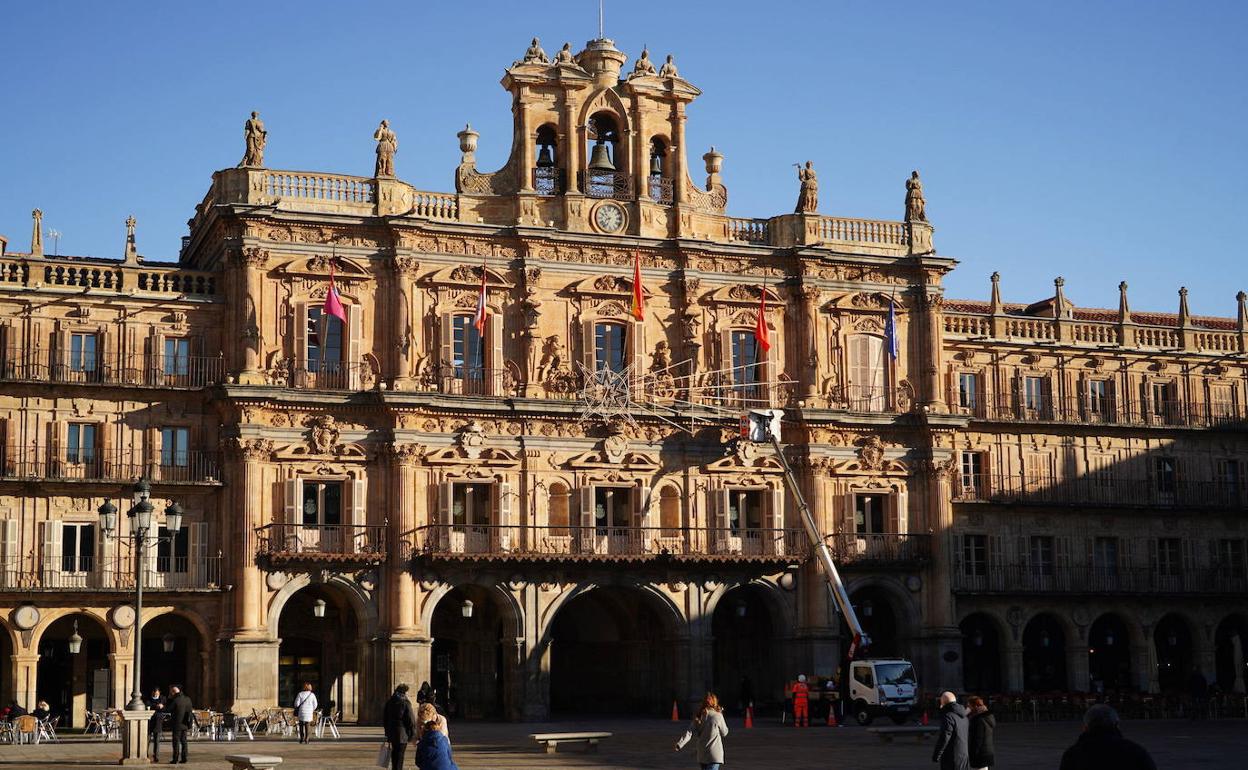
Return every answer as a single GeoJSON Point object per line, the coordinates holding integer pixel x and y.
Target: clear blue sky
{"type": "Point", "coordinates": [1091, 139]}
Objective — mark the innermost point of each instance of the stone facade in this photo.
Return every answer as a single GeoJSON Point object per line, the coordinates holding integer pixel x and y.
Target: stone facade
{"type": "Point", "coordinates": [401, 497]}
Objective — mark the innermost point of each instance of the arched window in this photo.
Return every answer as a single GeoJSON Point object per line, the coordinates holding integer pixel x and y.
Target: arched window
{"type": "Point", "coordinates": [669, 511]}
{"type": "Point", "coordinates": [557, 510]}
{"type": "Point", "coordinates": [868, 379]}
{"type": "Point", "coordinates": [659, 181]}
{"type": "Point", "coordinates": [610, 347]}
{"type": "Point", "coordinates": [604, 167]}
{"type": "Point", "coordinates": [547, 176]}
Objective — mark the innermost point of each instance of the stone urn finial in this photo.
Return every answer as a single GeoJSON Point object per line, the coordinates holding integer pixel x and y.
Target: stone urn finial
{"type": "Point", "coordinates": [714, 161]}
{"type": "Point", "coordinates": [468, 140]}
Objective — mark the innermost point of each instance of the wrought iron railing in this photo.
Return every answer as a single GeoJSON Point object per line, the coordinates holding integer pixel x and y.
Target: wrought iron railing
{"type": "Point", "coordinates": [36, 365]}
{"type": "Point", "coordinates": [607, 184]}
{"type": "Point", "coordinates": [1100, 488]}
{"type": "Point", "coordinates": [984, 578]}
{"type": "Point", "coordinates": [180, 573]}
{"type": "Point", "coordinates": [337, 542]}
{"type": "Point", "coordinates": [91, 464]}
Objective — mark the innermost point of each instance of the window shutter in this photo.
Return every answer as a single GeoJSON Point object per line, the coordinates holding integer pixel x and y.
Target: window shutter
{"type": "Point", "coordinates": [587, 508]}
{"type": "Point", "coordinates": [725, 354]}
{"type": "Point", "coordinates": [359, 502]}
{"type": "Point", "coordinates": [587, 345]}
{"type": "Point", "coordinates": [446, 498]}
{"type": "Point", "coordinates": [776, 514]}
{"type": "Point", "coordinates": [504, 505]}
{"type": "Point", "coordinates": [849, 514]}
{"type": "Point", "coordinates": [56, 450]}
{"type": "Point", "coordinates": [8, 437]}
{"type": "Point", "coordinates": [637, 347]}
{"type": "Point", "coordinates": [294, 501]}
{"type": "Point", "coordinates": [10, 552]}
{"type": "Point", "coordinates": [446, 350]}
{"type": "Point", "coordinates": [900, 520]}
{"type": "Point", "coordinates": [355, 344]}
{"type": "Point", "coordinates": [155, 356]}
{"type": "Point", "coordinates": [641, 506]}
{"type": "Point", "coordinates": [300, 335]}
{"type": "Point", "coordinates": [197, 570]}
{"type": "Point", "coordinates": [150, 577]}
{"type": "Point", "coordinates": [723, 502]}
{"type": "Point", "coordinates": [496, 365]}
{"type": "Point", "coordinates": [51, 551]}
{"type": "Point", "coordinates": [61, 346]}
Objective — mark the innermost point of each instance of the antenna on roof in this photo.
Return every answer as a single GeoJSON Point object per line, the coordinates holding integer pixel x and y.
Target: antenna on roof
{"type": "Point", "coordinates": [55, 235]}
{"type": "Point", "coordinates": [601, 36]}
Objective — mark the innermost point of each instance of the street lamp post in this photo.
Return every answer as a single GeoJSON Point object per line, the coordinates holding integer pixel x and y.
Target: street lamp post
{"type": "Point", "coordinates": [134, 740]}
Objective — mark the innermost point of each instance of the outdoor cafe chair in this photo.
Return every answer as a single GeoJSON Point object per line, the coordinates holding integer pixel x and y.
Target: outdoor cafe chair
{"type": "Point", "coordinates": [27, 729]}
{"type": "Point", "coordinates": [47, 728]}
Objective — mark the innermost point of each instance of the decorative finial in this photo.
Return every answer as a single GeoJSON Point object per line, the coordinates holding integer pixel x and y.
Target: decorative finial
{"type": "Point", "coordinates": [1124, 307]}
{"type": "Point", "coordinates": [1059, 297]}
{"type": "Point", "coordinates": [1185, 317]}
{"type": "Point", "coordinates": [36, 234]}
{"type": "Point", "coordinates": [1242, 299]}
{"type": "Point", "coordinates": [132, 251]}
{"type": "Point", "coordinates": [995, 299]}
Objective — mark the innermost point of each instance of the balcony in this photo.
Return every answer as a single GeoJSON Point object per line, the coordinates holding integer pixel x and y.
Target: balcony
{"type": "Point", "coordinates": [1084, 579]}
{"type": "Point", "coordinates": [660, 189]}
{"type": "Point", "coordinates": [22, 365]}
{"type": "Point", "coordinates": [548, 180]}
{"type": "Point", "coordinates": [350, 544]}
{"type": "Point", "coordinates": [569, 543]}
{"type": "Point", "coordinates": [871, 400]}
{"type": "Point", "coordinates": [180, 573]}
{"type": "Point", "coordinates": [607, 184]}
{"type": "Point", "coordinates": [112, 465]}
{"type": "Point", "coordinates": [1110, 410]}
{"type": "Point", "coordinates": [850, 550]}
{"type": "Point", "coordinates": [459, 380]}
{"type": "Point", "coordinates": [1100, 490]}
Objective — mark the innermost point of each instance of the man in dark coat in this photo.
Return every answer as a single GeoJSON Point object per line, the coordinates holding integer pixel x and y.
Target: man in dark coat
{"type": "Point", "coordinates": [981, 748]}
{"type": "Point", "coordinates": [1102, 746]}
{"type": "Point", "coordinates": [157, 722]}
{"type": "Point", "coordinates": [951, 744]}
{"type": "Point", "coordinates": [180, 718]}
{"type": "Point", "coordinates": [399, 723]}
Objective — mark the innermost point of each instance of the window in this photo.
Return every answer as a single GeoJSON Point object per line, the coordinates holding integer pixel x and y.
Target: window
{"type": "Point", "coordinates": [557, 513]}
{"type": "Point", "coordinates": [612, 507]}
{"type": "Point", "coordinates": [1231, 558]}
{"type": "Point", "coordinates": [746, 366]}
{"type": "Point", "coordinates": [869, 513]}
{"type": "Point", "coordinates": [322, 503]}
{"type": "Point", "coordinates": [324, 342]}
{"type": "Point", "coordinates": [609, 352]}
{"type": "Point", "coordinates": [968, 391]}
{"type": "Point", "coordinates": [745, 510]}
{"type": "Point", "coordinates": [975, 555]}
{"type": "Point", "coordinates": [172, 553]}
{"type": "Point", "coordinates": [1168, 557]}
{"type": "Point", "coordinates": [467, 352]}
{"type": "Point", "coordinates": [669, 511]}
{"type": "Point", "coordinates": [1230, 479]}
{"type": "Point", "coordinates": [1105, 556]}
{"type": "Point", "coordinates": [1100, 401]}
{"type": "Point", "coordinates": [973, 481]}
{"type": "Point", "coordinates": [77, 547]}
{"type": "Point", "coordinates": [1164, 403]}
{"type": "Point", "coordinates": [862, 675]}
{"type": "Point", "coordinates": [177, 357]}
{"type": "Point", "coordinates": [470, 505]}
{"type": "Point", "coordinates": [1041, 552]}
{"type": "Point", "coordinates": [867, 380]}
{"type": "Point", "coordinates": [1033, 394]}
{"type": "Point", "coordinates": [173, 447]}
{"type": "Point", "coordinates": [82, 353]}
{"type": "Point", "coordinates": [80, 443]}
{"type": "Point", "coordinates": [1165, 474]}
{"type": "Point", "coordinates": [1222, 402]}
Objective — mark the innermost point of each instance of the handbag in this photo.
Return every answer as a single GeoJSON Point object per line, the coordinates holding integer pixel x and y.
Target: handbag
{"type": "Point", "coordinates": [383, 755]}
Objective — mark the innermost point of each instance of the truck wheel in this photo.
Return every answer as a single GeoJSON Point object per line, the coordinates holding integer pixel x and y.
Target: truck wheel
{"type": "Point", "coordinates": [861, 715]}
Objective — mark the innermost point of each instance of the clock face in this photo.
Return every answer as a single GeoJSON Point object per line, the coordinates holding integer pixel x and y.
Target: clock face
{"type": "Point", "coordinates": [26, 617]}
{"type": "Point", "coordinates": [609, 218]}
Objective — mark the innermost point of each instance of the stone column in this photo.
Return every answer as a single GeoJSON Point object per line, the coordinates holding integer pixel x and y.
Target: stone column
{"type": "Point", "coordinates": [248, 500]}
{"type": "Point", "coordinates": [403, 337]}
{"type": "Point", "coordinates": [930, 391]}
{"type": "Point", "coordinates": [939, 488]}
{"type": "Point", "coordinates": [1077, 675]}
{"type": "Point", "coordinates": [680, 170]}
{"type": "Point", "coordinates": [1014, 667]}
{"type": "Point", "coordinates": [1144, 660]}
{"type": "Point", "coordinates": [402, 530]}
{"type": "Point", "coordinates": [250, 261]}
{"type": "Point", "coordinates": [810, 342]}
{"type": "Point", "coordinates": [25, 668]}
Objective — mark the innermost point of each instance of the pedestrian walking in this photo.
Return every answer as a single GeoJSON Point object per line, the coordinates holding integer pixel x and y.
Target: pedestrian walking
{"type": "Point", "coordinates": [980, 748]}
{"type": "Point", "coordinates": [801, 702]}
{"type": "Point", "coordinates": [156, 723]}
{"type": "Point", "coordinates": [951, 743]}
{"type": "Point", "coordinates": [305, 711]}
{"type": "Point", "coordinates": [426, 713]}
{"type": "Point", "coordinates": [1102, 745]}
{"type": "Point", "coordinates": [433, 752]}
{"type": "Point", "coordinates": [400, 725]}
{"type": "Point", "coordinates": [708, 729]}
{"type": "Point", "coordinates": [180, 719]}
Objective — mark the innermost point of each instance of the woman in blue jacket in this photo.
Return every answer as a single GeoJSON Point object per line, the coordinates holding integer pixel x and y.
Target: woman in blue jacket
{"type": "Point", "coordinates": [434, 750]}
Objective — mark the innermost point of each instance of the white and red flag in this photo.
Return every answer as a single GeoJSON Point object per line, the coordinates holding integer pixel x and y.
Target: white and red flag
{"type": "Point", "coordinates": [478, 320]}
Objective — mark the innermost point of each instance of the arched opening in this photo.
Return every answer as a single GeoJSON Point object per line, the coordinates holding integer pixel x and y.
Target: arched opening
{"type": "Point", "coordinates": [748, 666]}
{"type": "Point", "coordinates": [659, 182]}
{"type": "Point", "coordinates": [1173, 641]}
{"type": "Point", "coordinates": [669, 511]}
{"type": "Point", "coordinates": [605, 170]}
{"type": "Point", "coordinates": [472, 634]}
{"type": "Point", "coordinates": [881, 620]}
{"type": "Point", "coordinates": [319, 632]}
{"type": "Point", "coordinates": [558, 508]}
{"type": "Point", "coordinates": [1044, 655]}
{"type": "Point", "coordinates": [172, 650]}
{"type": "Point", "coordinates": [74, 683]}
{"type": "Point", "coordinates": [612, 652]}
{"type": "Point", "coordinates": [547, 176]}
{"type": "Point", "coordinates": [1230, 641]}
{"type": "Point", "coordinates": [1109, 654]}
{"type": "Point", "coordinates": [981, 654]}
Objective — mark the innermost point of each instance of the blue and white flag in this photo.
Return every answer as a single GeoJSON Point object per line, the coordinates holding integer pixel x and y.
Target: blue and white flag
{"type": "Point", "coordinates": [890, 329]}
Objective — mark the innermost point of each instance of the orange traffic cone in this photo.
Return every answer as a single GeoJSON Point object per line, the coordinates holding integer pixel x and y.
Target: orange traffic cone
{"type": "Point", "coordinates": [675, 712]}
{"type": "Point", "coordinates": [923, 720]}
{"type": "Point", "coordinates": [832, 715]}
{"type": "Point", "coordinates": [749, 717]}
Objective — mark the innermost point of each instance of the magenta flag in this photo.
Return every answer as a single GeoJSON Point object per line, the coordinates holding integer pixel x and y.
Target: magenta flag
{"type": "Point", "coordinates": [333, 303]}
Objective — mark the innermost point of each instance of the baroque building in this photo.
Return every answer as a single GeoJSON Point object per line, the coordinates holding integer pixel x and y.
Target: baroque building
{"type": "Point", "coordinates": [1041, 497]}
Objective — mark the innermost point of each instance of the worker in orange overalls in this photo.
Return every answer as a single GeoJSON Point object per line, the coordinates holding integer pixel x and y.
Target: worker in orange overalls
{"type": "Point", "coordinates": [801, 702]}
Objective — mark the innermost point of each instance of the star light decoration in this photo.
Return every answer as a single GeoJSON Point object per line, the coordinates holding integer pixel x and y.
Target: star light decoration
{"type": "Point", "coordinates": [607, 395]}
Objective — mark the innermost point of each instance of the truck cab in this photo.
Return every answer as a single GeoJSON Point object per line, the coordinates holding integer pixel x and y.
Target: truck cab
{"type": "Point", "coordinates": [883, 687]}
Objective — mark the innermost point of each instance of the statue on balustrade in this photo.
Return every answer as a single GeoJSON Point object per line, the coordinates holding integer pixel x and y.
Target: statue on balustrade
{"type": "Point", "coordinates": [808, 197]}
{"type": "Point", "coordinates": [916, 205]}
{"type": "Point", "coordinates": [387, 146]}
{"type": "Point", "coordinates": [668, 70]}
{"type": "Point", "coordinates": [535, 54]}
{"type": "Point", "coordinates": [565, 55]}
{"type": "Point", "coordinates": [643, 65]}
{"type": "Point", "coordinates": [256, 137]}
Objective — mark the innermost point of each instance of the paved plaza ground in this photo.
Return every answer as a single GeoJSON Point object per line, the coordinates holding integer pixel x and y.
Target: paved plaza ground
{"type": "Point", "coordinates": [1174, 744]}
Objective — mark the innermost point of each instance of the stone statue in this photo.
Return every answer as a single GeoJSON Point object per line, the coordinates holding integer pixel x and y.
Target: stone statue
{"type": "Point", "coordinates": [565, 55]}
{"type": "Point", "coordinates": [535, 54]}
{"type": "Point", "coordinates": [668, 70]}
{"type": "Point", "coordinates": [662, 357]}
{"type": "Point", "coordinates": [552, 358]}
{"type": "Point", "coordinates": [916, 205]}
{"type": "Point", "coordinates": [643, 66]}
{"type": "Point", "coordinates": [387, 146]}
{"type": "Point", "coordinates": [256, 138]}
{"type": "Point", "coordinates": [532, 305]}
{"type": "Point", "coordinates": [808, 197]}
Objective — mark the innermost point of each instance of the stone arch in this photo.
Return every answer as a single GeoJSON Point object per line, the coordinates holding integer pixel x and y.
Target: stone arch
{"type": "Point", "coordinates": [904, 605]}
{"type": "Point", "coordinates": [1176, 645]}
{"type": "Point", "coordinates": [506, 600]}
{"type": "Point", "coordinates": [361, 602]}
{"type": "Point", "coordinates": [49, 615]}
{"type": "Point", "coordinates": [672, 611]}
{"type": "Point", "coordinates": [65, 679]}
{"type": "Point", "coordinates": [1110, 639]}
{"type": "Point", "coordinates": [1230, 640]}
{"type": "Point", "coordinates": [780, 604]}
{"type": "Point", "coordinates": [188, 666]}
{"type": "Point", "coordinates": [476, 647]}
{"type": "Point", "coordinates": [985, 638]}
{"type": "Point", "coordinates": [1045, 638]}
{"type": "Point", "coordinates": [749, 624]}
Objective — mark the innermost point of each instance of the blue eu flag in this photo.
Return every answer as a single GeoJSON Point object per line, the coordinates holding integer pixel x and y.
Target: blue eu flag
{"type": "Point", "coordinates": [890, 329]}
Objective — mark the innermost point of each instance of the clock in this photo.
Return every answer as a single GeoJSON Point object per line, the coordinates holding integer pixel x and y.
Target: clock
{"type": "Point", "coordinates": [26, 617]}
{"type": "Point", "coordinates": [123, 616]}
{"type": "Point", "coordinates": [609, 218]}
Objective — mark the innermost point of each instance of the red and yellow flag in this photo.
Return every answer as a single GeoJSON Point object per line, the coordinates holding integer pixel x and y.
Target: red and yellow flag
{"type": "Point", "coordinates": [639, 299]}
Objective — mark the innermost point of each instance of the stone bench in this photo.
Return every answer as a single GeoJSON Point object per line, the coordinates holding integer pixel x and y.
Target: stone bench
{"type": "Point", "coordinates": [887, 734]}
{"type": "Point", "coordinates": [552, 740]}
{"type": "Point", "coordinates": [253, 761]}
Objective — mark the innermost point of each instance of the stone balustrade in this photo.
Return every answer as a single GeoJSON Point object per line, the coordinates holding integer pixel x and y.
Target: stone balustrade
{"type": "Point", "coordinates": [863, 231]}
{"type": "Point", "coordinates": [961, 324]}
{"type": "Point", "coordinates": [119, 277]}
{"type": "Point", "coordinates": [321, 187]}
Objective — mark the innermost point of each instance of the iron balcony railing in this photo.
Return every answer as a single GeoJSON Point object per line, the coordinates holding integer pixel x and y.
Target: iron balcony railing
{"type": "Point", "coordinates": [870, 399]}
{"type": "Point", "coordinates": [1101, 489]}
{"type": "Point", "coordinates": [1109, 409]}
{"type": "Point", "coordinates": [90, 464]}
{"type": "Point", "coordinates": [660, 189]}
{"type": "Point", "coordinates": [323, 542]}
{"type": "Point", "coordinates": [177, 573]}
{"type": "Point", "coordinates": [987, 578]}
{"type": "Point", "coordinates": [153, 371]}
{"type": "Point", "coordinates": [849, 549]}
{"type": "Point", "coordinates": [549, 180]}
{"type": "Point", "coordinates": [607, 184]}
{"type": "Point", "coordinates": [467, 380]}
{"type": "Point", "coordinates": [328, 376]}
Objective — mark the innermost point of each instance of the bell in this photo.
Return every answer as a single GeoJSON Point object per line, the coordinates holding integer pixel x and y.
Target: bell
{"type": "Point", "coordinates": [656, 165]}
{"type": "Point", "coordinates": [544, 157]}
{"type": "Point", "coordinates": [601, 159]}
